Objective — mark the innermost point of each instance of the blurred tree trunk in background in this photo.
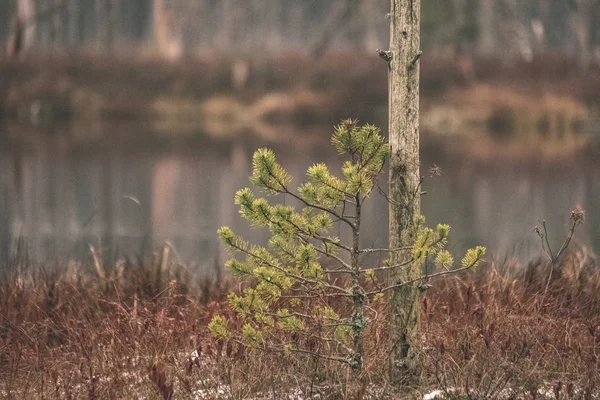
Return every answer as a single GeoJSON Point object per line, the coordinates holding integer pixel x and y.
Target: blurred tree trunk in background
{"type": "Point", "coordinates": [295, 26]}
{"type": "Point", "coordinates": [135, 20]}
{"type": "Point", "coordinates": [7, 12]}
{"type": "Point", "coordinates": [404, 181]}
{"type": "Point", "coordinates": [336, 22]}
{"type": "Point", "coordinates": [487, 27]}
{"type": "Point", "coordinates": [458, 19]}
{"type": "Point", "coordinates": [273, 26]}
{"type": "Point", "coordinates": [580, 23]}
{"type": "Point", "coordinates": [101, 22]}
{"type": "Point", "coordinates": [228, 24]}
{"type": "Point", "coordinates": [507, 29]}
{"type": "Point", "coordinates": [113, 14]}
{"type": "Point", "coordinates": [558, 12]}
{"type": "Point", "coordinates": [370, 20]}
{"type": "Point", "coordinates": [167, 37]}
{"type": "Point", "coordinates": [26, 11]}
{"type": "Point", "coordinates": [72, 22]}
{"type": "Point", "coordinates": [595, 32]}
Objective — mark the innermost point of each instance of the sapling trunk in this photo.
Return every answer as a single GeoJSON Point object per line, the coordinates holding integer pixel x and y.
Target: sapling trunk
{"type": "Point", "coordinates": [358, 297]}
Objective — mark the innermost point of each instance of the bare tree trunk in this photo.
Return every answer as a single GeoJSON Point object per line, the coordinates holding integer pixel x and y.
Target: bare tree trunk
{"type": "Point", "coordinates": [404, 181]}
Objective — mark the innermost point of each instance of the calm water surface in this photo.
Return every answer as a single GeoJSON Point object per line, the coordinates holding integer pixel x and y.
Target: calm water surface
{"type": "Point", "coordinates": [124, 190]}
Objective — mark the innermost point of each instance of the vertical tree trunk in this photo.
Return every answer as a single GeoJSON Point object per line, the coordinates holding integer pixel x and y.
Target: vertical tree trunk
{"type": "Point", "coordinates": [404, 180]}
{"type": "Point", "coordinates": [487, 27]}
{"type": "Point", "coordinates": [72, 23]}
{"type": "Point", "coordinates": [228, 24]}
{"type": "Point", "coordinates": [101, 33]}
{"type": "Point", "coordinates": [166, 33]}
{"type": "Point", "coordinates": [26, 12]}
{"type": "Point", "coordinates": [580, 22]}
{"type": "Point", "coordinates": [371, 12]}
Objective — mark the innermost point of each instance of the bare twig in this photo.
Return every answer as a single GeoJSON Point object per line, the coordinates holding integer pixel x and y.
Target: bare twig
{"type": "Point", "coordinates": [425, 277]}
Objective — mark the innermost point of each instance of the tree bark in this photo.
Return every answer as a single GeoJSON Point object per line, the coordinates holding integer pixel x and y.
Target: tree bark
{"type": "Point", "coordinates": [404, 183]}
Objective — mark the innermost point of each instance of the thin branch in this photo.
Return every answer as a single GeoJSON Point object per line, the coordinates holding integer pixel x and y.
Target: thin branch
{"type": "Point", "coordinates": [388, 267]}
{"type": "Point", "coordinates": [295, 350]}
{"type": "Point", "coordinates": [422, 278]}
{"type": "Point", "coordinates": [337, 271]}
{"type": "Point", "coordinates": [415, 59]}
{"type": "Point", "coordinates": [560, 251]}
{"type": "Point", "coordinates": [396, 250]}
{"type": "Point", "coordinates": [318, 237]}
{"type": "Point", "coordinates": [332, 340]}
{"type": "Point", "coordinates": [288, 273]}
{"type": "Point", "coordinates": [547, 242]}
{"type": "Point", "coordinates": [328, 254]}
{"type": "Point", "coordinates": [332, 212]}
{"type": "Point", "coordinates": [350, 195]}
{"type": "Point", "coordinates": [567, 240]}
{"type": "Point", "coordinates": [294, 195]}
{"type": "Point", "coordinates": [336, 258]}
{"type": "Point", "coordinates": [316, 296]}
{"type": "Point", "coordinates": [312, 353]}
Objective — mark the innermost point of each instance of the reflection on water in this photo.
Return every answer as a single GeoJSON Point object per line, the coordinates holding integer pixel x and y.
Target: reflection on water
{"type": "Point", "coordinates": [135, 191]}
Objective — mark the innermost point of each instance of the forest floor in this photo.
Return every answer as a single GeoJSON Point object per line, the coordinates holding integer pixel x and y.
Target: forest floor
{"type": "Point", "coordinates": [548, 96]}
{"type": "Point", "coordinates": [132, 331]}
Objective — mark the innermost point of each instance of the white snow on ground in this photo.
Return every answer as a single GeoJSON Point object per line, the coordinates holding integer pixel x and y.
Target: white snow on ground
{"type": "Point", "coordinates": [436, 394]}
{"type": "Point", "coordinates": [544, 392]}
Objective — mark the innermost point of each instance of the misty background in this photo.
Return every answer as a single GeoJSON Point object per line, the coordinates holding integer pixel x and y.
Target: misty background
{"type": "Point", "coordinates": [127, 124]}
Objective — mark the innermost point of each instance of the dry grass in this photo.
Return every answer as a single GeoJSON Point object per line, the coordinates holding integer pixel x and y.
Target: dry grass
{"type": "Point", "coordinates": [490, 333]}
{"type": "Point", "coordinates": [65, 334]}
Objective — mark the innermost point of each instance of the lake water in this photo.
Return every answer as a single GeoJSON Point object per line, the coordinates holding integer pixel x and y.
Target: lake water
{"type": "Point", "coordinates": [127, 191]}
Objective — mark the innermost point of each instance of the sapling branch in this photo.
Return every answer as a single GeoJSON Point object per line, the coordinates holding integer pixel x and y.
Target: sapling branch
{"type": "Point", "coordinates": [394, 266]}
{"type": "Point", "coordinates": [288, 273]}
{"type": "Point", "coordinates": [396, 250]}
{"type": "Point", "coordinates": [315, 206]}
{"type": "Point", "coordinates": [425, 277]}
{"type": "Point", "coordinates": [346, 267]}
{"type": "Point", "coordinates": [271, 349]}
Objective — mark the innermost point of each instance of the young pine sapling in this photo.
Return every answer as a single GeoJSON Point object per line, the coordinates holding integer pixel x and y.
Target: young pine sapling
{"type": "Point", "coordinates": [309, 292]}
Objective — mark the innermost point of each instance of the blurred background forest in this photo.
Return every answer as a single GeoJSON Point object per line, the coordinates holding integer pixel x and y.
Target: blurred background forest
{"type": "Point", "coordinates": [131, 123]}
{"type": "Point", "coordinates": [505, 28]}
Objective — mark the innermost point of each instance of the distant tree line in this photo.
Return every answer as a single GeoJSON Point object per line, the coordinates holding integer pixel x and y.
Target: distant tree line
{"type": "Point", "coordinates": [508, 28]}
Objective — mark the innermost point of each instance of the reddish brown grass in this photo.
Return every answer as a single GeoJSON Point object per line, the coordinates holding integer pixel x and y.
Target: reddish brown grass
{"type": "Point", "coordinates": [64, 334]}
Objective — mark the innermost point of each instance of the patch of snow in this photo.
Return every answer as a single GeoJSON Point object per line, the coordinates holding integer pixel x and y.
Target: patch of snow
{"type": "Point", "coordinates": [438, 394]}
{"type": "Point", "coordinates": [433, 395]}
